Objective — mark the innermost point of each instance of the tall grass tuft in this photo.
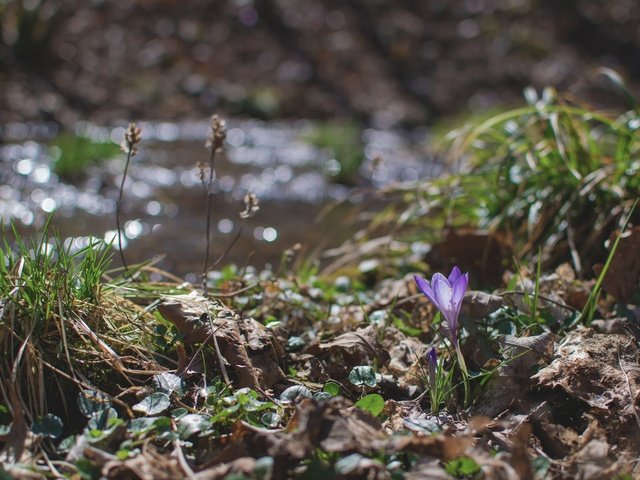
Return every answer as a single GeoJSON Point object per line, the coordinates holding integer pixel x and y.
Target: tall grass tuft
{"type": "Point", "coordinates": [62, 328]}
{"type": "Point", "coordinates": [554, 176]}
{"type": "Point", "coordinates": [42, 285]}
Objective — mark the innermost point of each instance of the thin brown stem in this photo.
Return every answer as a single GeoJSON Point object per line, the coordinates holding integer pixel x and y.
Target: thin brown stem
{"type": "Point", "coordinates": [230, 246]}
{"type": "Point", "coordinates": [119, 208]}
{"type": "Point", "coordinates": [205, 266]}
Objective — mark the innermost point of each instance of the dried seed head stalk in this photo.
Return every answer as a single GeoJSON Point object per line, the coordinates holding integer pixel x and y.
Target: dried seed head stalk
{"type": "Point", "coordinates": [251, 206]}
{"type": "Point", "coordinates": [217, 134]}
{"type": "Point", "coordinates": [215, 141]}
{"type": "Point", "coordinates": [202, 173]}
{"type": "Point", "coordinates": [132, 137]}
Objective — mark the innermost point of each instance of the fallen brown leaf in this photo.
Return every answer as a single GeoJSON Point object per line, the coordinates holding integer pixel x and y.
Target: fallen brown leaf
{"type": "Point", "coordinates": [247, 346]}
{"type": "Point", "coordinates": [513, 378]}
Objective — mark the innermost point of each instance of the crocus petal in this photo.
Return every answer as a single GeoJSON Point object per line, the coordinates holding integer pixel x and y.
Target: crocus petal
{"type": "Point", "coordinates": [441, 291]}
{"type": "Point", "coordinates": [443, 294]}
{"type": "Point", "coordinates": [454, 275]}
{"type": "Point", "coordinates": [459, 287]}
{"type": "Point", "coordinates": [425, 288]}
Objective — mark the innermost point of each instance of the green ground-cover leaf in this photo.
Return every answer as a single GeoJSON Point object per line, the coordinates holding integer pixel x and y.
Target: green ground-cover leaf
{"type": "Point", "coordinates": [192, 423]}
{"type": "Point", "coordinates": [332, 388]}
{"type": "Point", "coordinates": [363, 376]}
{"type": "Point", "coordinates": [91, 402]}
{"type": "Point", "coordinates": [462, 467]}
{"type": "Point", "coordinates": [48, 425]}
{"type": "Point", "coordinates": [153, 404]}
{"type": "Point", "coordinates": [100, 420]}
{"type": "Point", "coordinates": [168, 383]}
{"type": "Point", "coordinates": [372, 403]}
{"type": "Point", "coordinates": [295, 392]}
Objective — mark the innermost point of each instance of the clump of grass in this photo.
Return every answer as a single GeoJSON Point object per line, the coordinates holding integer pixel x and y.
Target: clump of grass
{"type": "Point", "coordinates": [61, 327]}
{"type": "Point", "coordinates": [343, 142]}
{"type": "Point", "coordinates": [558, 173]}
{"type": "Point", "coordinates": [74, 153]}
{"type": "Point", "coordinates": [42, 285]}
{"type": "Point", "coordinates": [554, 175]}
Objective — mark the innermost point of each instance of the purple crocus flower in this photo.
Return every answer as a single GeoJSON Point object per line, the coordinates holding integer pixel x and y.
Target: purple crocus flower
{"type": "Point", "coordinates": [447, 295]}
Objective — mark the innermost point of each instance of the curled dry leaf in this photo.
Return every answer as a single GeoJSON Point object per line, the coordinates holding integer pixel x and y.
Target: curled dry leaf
{"type": "Point", "coordinates": [243, 467]}
{"type": "Point", "coordinates": [558, 292]}
{"type": "Point", "coordinates": [147, 465]}
{"type": "Point", "coordinates": [478, 304]}
{"type": "Point", "coordinates": [360, 347]}
{"type": "Point", "coordinates": [602, 371]}
{"type": "Point", "coordinates": [513, 378]}
{"type": "Point", "coordinates": [596, 368]}
{"type": "Point", "coordinates": [248, 346]}
{"type": "Point", "coordinates": [405, 354]}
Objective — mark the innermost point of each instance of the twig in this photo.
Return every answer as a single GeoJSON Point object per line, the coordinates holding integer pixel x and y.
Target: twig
{"type": "Point", "coordinates": [540, 297]}
{"type": "Point", "coordinates": [223, 369]}
{"type": "Point", "coordinates": [236, 292]}
{"type": "Point", "coordinates": [183, 461]}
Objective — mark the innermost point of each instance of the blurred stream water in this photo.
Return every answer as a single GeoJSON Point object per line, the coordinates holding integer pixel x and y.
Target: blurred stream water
{"type": "Point", "coordinates": [164, 203]}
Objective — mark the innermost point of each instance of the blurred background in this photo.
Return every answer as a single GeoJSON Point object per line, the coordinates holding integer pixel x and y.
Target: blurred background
{"type": "Point", "coordinates": [323, 98]}
{"type": "Point", "coordinates": [387, 63]}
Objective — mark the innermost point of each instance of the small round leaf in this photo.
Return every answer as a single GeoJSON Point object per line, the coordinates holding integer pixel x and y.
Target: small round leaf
{"type": "Point", "coordinates": [90, 402]}
{"type": "Point", "coordinates": [363, 375]}
{"type": "Point", "coordinates": [154, 404]}
{"type": "Point", "coordinates": [168, 383]}
{"type": "Point", "coordinates": [295, 392]}
{"type": "Point", "coordinates": [372, 403]}
{"type": "Point", "coordinates": [48, 425]}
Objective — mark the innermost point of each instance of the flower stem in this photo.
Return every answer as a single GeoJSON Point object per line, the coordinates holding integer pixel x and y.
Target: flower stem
{"type": "Point", "coordinates": [465, 375]}
{"type": "Point", "coordinates": [435, 404]}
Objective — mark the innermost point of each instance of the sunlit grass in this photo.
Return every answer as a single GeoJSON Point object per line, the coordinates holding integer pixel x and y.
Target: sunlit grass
{"type": "Point", "coordinates": [553, 175]}
{"type": "Point", "coordinates": [63, 323]}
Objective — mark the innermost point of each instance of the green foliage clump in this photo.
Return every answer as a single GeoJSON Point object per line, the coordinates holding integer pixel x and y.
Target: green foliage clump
{"type": "Point", "coordinates": [343, 141]}
{"type": "Point", "coordinates": [74, 153]}
{"type": "Point", "coordinates": [46, 277]}
{"type": "Point", "coordinates": [553, 175]}
{"type": "Point", "coordinates": [53, 301]}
